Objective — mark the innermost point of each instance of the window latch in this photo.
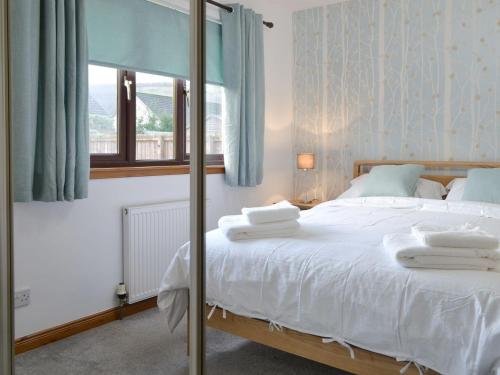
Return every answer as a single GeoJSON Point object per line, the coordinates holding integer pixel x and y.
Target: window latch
{"type": "Point", "coordinates": [128, 85]}
{"type": "Point", "coordinates": [187, 93]}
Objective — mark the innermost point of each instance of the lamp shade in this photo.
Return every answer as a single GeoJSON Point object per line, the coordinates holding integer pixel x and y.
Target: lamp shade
{"type": "Point", "coordinates": [305, 161]}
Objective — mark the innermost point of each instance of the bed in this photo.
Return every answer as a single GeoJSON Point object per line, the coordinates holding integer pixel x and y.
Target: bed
{"type": "Point", "coordinates": [334, 296]}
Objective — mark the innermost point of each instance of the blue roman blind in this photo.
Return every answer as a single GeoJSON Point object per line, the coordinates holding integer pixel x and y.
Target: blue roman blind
{"type": "Point", "coordinates": [143, 36]}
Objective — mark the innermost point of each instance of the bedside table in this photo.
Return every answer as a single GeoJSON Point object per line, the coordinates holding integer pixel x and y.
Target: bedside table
{"type": "Point", "coordinates": [305, 206]}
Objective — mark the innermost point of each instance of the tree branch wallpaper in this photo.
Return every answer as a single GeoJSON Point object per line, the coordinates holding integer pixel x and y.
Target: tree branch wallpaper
{"type": "Point", "coordinates": [394, 79]}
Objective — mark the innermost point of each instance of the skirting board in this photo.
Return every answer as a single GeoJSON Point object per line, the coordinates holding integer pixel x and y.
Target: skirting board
{"type": "Point", "coordinates": [309, 346]}
{"type": "Point", "coordinates": [47, 336]}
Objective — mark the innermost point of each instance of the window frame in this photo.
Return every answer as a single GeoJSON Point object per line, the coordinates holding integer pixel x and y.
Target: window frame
{"type": "Point", "coordinates": [126, 130]}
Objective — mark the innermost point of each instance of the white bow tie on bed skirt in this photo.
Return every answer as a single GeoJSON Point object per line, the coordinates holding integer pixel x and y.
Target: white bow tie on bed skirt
{"type": "Point", "coordinates": [421, 369]}
{"type": "Point", "coordinates": [341, 342]}
{"type": "Point", "coordinates": [212, 311]}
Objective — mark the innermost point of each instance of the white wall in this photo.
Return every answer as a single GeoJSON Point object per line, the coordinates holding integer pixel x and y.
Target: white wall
{"type": "Point", "coordinates": [70, 254]}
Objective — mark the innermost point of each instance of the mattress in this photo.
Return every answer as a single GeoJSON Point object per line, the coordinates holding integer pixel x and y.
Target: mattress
{"type": "Point", "coordinates": [335, 280]}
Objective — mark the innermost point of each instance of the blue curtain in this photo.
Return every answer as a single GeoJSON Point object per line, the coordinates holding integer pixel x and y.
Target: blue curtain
{"type": "Point", "coordinates": [243, 56]}
{"type": "Point", "coordinates": [49, 100]}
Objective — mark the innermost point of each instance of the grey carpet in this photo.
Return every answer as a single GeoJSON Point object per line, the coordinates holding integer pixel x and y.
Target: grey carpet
{"type": "Point", "coordinates": [141, 345]}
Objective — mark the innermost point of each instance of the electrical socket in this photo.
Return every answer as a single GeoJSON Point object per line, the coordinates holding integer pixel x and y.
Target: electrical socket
{"type": "Point", "coordinates": [22, 297]}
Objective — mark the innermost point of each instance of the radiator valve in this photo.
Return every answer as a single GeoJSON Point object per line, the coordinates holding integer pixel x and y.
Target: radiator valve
{"type": "Point", "coordinates": [121, 293]}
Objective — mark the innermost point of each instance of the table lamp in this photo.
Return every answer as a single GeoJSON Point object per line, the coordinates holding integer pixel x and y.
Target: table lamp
{"type": "Point", "coordinates": [305, 162]}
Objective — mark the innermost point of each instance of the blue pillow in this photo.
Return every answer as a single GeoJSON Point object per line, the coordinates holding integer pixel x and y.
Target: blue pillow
{"type": "Point", "coordinates": [392, 181]}
{"type": "Point", "coordinates": [483, 185]}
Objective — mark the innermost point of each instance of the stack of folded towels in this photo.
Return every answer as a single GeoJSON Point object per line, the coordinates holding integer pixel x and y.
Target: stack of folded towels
{"type": "Point", "coordinates": [455, 248]}
{"type": "Point", "coordinates": [277, 220]}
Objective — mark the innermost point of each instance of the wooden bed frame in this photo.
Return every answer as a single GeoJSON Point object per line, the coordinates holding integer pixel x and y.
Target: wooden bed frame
{"type": "Point", "coordinates": [312, 347]}
{"type": "Point", "coordinates": [362, 166]}
{"type": "Point", "coordinates": [308, 346]}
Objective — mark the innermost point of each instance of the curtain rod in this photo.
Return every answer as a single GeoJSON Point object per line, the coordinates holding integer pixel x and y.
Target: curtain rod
{"type": "Point", "coordinates": [230, 10]}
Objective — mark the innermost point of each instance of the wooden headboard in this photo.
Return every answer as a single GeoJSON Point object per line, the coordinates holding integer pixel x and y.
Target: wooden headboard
{"type": "Point", "coordinates": [363, 166]}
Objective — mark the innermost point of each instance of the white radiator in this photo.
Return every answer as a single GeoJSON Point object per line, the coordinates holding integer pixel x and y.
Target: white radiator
{"type": "Point", "coordinates": [151, 236]}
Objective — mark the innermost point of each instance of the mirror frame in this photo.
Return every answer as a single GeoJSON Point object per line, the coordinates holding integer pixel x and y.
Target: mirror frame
{"type": "Point", "coordinates": [197, 341]}
{"type": "Point", "coordinates": [6, 254]}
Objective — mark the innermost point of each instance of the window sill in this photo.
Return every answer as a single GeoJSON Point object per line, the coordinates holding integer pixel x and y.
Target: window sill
{"type": "Point", "coordinates": [168, 170]}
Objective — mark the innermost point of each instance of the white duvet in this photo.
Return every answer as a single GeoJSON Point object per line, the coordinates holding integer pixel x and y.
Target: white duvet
{"type": "Point", "coordinates": [335, 280]}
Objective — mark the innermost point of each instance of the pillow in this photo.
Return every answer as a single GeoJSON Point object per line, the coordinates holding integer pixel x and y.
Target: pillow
{"type": "Point", "coordinates": [427, 189]}
{"type": "Point", "coordinates": [355, 190]}
{"type": "Point", "coordinates": [483, 185]}
{"type": "Point", "coordinates": [392, 181]}
{"type": "Point", "coordinates": [456, 189]}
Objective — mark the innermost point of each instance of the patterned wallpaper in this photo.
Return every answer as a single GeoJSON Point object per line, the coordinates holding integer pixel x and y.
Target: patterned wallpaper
{"type": "Point", "coordinates": [394, 79]}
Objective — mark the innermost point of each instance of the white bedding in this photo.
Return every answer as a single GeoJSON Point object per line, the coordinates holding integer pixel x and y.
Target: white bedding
{"type": "Point", "coordinates": [334, 279]}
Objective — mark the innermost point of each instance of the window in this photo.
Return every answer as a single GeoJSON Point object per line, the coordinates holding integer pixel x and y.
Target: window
{"type": "Point", "coordinates": [103, 110]}
{"type": "Point", "coordinates": [154, 117]}
{"type": "Point", "coordinates": [213, 123]}
{"type": "Point", "coordinates": [141, 119]}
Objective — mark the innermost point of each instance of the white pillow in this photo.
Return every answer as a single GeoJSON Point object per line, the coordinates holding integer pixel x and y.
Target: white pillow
{"type": "Point", "coordinates": [425, 189]}
{"type": "Point", "coordinates": [456, 188]}
{"type": "Point", "coordinates": [355, 191]}
{"type": "Point", "coordinates": [429, 189]}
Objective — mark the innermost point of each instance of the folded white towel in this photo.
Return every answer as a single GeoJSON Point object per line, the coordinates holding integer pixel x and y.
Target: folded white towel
{"type": "Point", "coordinates": [237, 227]}
{"type": "Point", "coordinates": [281, 211]}
{"type": "Point", "coordinates": [410, 252]}
{"type": "Point", "coordinates": [465, 236]}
